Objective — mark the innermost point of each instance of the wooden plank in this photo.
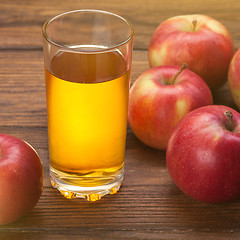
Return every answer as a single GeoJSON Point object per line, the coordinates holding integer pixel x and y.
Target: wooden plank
{"type": "Point", "coordinates": [148, 204]}
{"type": "Point", "coordinates": [22, 87]}
{"type": "Point", "coordinates": [21, 22]}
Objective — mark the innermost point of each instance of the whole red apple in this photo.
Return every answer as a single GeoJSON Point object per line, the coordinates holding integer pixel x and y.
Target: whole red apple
{"type": "Point", "coordinates": [200, 41]}
{"type": "Point", "coordinates": [160, 98]}
{"type": "Point", "coordinates": [234, 78]}
{"type": "Point", "coordinates": [21, 178]}
{"type": "Point", "coordinates": [203, 154]}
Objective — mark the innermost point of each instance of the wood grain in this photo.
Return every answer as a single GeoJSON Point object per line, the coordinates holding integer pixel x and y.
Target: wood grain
{"type": "Point", "coordinates": [23, 100]}
{"type": "Point", "coordinates": [21, 20]}
{"type": "Point", "coordinates": [22, 86]}
{"type": "Point", "coordinates": [148, 205]}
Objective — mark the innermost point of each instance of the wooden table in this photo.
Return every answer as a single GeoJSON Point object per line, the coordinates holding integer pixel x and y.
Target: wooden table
{"type": "Point", "coordinates": [149, 205]}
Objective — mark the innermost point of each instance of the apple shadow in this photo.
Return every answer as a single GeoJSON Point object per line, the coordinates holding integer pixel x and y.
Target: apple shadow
{"type": "Point", "coordinates": [138, 152]}
{"type": "Point", "coordinates": [222, 96]}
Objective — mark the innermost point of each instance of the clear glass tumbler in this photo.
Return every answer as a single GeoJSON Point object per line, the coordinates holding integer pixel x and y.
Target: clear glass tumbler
{"type": "Point", "coordinates": [87, 59]}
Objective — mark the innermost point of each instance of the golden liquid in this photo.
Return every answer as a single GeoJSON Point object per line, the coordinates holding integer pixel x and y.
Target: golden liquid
{"type": "Point", "coordinates": [87, 99]}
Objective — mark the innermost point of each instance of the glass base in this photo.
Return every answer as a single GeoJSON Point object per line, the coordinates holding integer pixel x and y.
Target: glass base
{"type": "Point", "coordinates": [94, 193]}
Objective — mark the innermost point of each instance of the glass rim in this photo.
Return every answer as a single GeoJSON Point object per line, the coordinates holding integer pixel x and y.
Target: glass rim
{"type": "Point", "coordinates": [45, 35]}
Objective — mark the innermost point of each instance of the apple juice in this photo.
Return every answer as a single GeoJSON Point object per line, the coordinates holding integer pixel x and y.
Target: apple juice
{"type": "Point", "coordinates": [87, 100]}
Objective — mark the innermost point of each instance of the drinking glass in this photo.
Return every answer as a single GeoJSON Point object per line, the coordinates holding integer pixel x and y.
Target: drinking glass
{"type": "Point", "coordinates": [87, 59]}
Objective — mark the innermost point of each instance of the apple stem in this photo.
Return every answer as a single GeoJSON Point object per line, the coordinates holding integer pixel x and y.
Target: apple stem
{"type": "Point", "coordinates": [184, 65]}
{"type": "Point", "coordinates": [194, 22]}
{"type": "Point", "coordinates": [230, 125]}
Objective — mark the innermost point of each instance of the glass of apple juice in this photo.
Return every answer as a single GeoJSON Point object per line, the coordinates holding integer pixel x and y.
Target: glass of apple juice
{"type": "Point", "coordinates": [87, 59]}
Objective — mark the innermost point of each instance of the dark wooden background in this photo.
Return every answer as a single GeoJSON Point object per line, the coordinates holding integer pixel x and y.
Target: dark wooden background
{"type": "Point", "coordinates": [149, 205]}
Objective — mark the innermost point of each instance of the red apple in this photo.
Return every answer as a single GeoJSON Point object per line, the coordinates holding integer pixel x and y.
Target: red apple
{"type": "Point", "coordinates": [21, 178]}
{"type": "Point", "coordinates": [203, 154]}
{"type": "Point", "coordinates": [159, 98]}
{"type": "Point", "coordinates": [200, 41]}
{"type": "Point", "coordinates": [234, 78]}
